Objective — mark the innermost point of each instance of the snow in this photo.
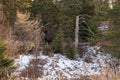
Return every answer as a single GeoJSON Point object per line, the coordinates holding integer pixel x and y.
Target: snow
{"type": "Point", "coordinates": [23, 61]}
{"type": "Point", "coordinates": [103, 28]}
{"type": "Point", "coordinates": [61, 66]}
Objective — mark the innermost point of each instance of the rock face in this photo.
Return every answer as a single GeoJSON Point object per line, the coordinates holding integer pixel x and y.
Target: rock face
{"type": "Point", "coordinates": [27, 34]}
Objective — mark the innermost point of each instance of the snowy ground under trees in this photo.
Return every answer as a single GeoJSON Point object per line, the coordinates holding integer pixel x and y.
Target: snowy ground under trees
{"type": "Point", "coordinates": [61, 66]}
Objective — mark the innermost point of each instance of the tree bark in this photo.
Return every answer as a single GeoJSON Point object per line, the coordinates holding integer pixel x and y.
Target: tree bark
{"type": "Point", "coordinates": [77, 32]}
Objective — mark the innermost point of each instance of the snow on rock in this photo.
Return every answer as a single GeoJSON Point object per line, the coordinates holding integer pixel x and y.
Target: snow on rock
{"type": "Point", "coordinates": [61, 66]}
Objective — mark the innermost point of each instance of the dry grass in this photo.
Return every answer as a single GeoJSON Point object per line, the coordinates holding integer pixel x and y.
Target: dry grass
{"type": "Point", "coordinates": [34, 72]}
{"type": "Point", "coordinates": [106, 74]}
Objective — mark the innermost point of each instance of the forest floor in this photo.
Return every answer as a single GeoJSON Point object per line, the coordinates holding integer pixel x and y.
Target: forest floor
{"type": "Point", "coordinates": [59, 67]}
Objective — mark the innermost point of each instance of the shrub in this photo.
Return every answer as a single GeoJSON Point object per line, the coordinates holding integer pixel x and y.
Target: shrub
{"type": "Point", "coordinates": [70, 51]}
{"type": "Point", "coordinates": [57, 45]}
{"type": "Point", "coordinates": [47, 49]}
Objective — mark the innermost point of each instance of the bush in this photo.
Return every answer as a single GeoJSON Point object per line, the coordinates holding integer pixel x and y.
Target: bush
{"type": "Point", "coordinates": [57, 45]}
{"type": "Point", "coordinates": [48, 50]}
{"type": "Point", "coordinates": [70, 51]}
{"type": "Point", "coordinates": [6, 64]}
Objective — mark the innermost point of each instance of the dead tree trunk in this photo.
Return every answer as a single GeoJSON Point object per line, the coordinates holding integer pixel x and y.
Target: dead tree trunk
{"type": "Point", "coordinates": [77, 32]}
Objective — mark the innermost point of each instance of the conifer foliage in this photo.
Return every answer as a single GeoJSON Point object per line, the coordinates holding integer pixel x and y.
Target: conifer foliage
{"type": "Point", "coordinates": [6, 64]}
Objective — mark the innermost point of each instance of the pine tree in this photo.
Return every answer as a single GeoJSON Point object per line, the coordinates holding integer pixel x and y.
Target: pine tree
{"type": "Point", "coordinates": [6, 64]}
{"type": "Point", "coordinates": [114, 35]}
{"type": "Point", "coordinates": [58, 41]}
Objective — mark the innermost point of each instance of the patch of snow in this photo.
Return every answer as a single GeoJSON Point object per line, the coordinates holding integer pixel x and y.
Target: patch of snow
{"type": "Point", "coordinates": [60, 66]}
{"type": "Point", "coordinates": [23, 61]}
{"type": "Point", "coordinates": [103, 27]}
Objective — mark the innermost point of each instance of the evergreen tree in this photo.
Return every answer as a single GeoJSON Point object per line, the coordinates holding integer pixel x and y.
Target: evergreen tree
{"type": "Point", "coordinates": [47, 11]}
{"type": "Point", "coordinates": [57, 45]}
{"type": "Point", "coordinates": [6, 64]}
{"type": "Point", "coordinates": [113, 36]}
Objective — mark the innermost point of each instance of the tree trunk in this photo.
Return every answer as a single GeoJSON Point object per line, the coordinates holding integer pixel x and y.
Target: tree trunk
{"type": "Point", "coordinates": [77, 32]}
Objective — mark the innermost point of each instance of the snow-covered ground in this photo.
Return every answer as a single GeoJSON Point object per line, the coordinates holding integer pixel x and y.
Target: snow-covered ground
{"type": "Point", "coordinates": [61, 66]}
